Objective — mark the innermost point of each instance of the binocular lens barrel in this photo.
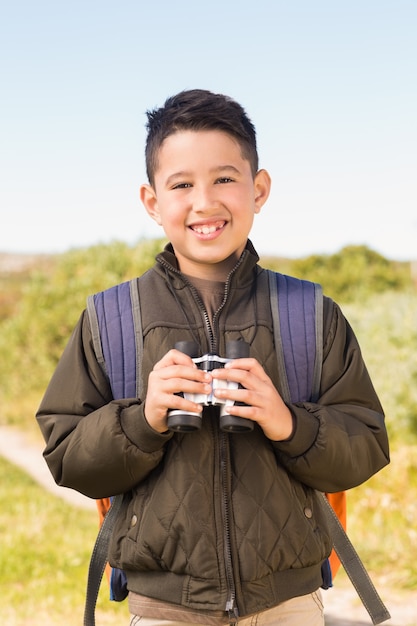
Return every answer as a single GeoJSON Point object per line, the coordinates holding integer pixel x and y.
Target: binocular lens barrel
{"type": "Point", "coordinates": [183, 421]}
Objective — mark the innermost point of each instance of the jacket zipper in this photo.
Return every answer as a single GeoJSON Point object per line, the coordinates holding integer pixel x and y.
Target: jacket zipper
{"type": "Point", "coordinates": [209, 327]}
{"type": "Point", "coordinates": [230, 607]}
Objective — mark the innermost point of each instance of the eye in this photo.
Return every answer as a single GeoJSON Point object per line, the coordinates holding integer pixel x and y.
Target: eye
{"type": "Point", "coordinates": [224, 179]}
{"type": "Point", "coordinates": [182, 186]}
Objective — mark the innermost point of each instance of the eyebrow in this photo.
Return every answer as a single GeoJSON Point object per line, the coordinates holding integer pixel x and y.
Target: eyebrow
{"type": "Point", "coordinates": [215, 170]}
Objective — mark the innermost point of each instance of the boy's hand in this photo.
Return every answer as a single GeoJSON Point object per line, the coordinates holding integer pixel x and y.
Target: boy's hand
{"type": "Point", "coordinates": [264, 404]}
{"type": "Point", "coordinates": [173, 374]}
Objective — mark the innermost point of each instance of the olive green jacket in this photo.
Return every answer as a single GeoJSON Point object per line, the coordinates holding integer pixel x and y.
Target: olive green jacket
{"type": "Point", "coordinates": [211, 520]}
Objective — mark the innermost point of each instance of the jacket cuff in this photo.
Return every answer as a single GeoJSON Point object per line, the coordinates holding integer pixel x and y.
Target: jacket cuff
{"type": "Point", "coordinates": [304, 435]}
{"type": "Point", "coordinates": [138, 430]}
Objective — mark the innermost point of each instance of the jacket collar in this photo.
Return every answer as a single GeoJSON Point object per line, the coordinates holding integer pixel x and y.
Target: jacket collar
{"type": "Point", "coordinates": [167, 264]}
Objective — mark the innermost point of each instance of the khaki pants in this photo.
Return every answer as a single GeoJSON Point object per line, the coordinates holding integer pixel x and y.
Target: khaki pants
{"type": "Point", "coordinates": [302, 611]}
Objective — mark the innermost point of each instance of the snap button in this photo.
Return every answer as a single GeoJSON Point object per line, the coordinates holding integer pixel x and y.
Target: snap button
{"type": "Point", "coordinates": [308, 512]}
{"type": "Point", "coordinates": [133, 521]}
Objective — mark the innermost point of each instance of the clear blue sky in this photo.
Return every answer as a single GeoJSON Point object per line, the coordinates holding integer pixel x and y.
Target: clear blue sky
{"type": "Point", "coordinates": [331, 87]}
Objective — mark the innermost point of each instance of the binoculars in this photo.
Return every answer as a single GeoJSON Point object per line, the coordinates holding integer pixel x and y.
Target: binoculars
{"type": "Point", "coordinates": [185, 421]}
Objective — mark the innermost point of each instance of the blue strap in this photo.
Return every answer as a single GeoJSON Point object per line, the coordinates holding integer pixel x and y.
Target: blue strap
{"type": "Point", "coordinates": [295, 307]}
{"type": "Point", "coordinates": [114, 319]}
{"type": "Point", "coordinates": [117, 331]}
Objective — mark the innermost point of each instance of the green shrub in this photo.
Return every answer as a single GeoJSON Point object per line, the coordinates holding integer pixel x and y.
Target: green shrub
{"type": "Point", "coordinates": [32, 340]}
{"type": "Point", "coordinates": [354, 273]}
{"type": "Point", "coordinates": [386, 327]}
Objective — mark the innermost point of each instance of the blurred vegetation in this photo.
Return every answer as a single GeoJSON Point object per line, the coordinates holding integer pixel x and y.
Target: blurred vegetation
{"type": "Point", "coordinates": [40, 306]}
{"type": "Point", "coordinates": [350, 275]}
{"type": "Point", "coordinates": [48, 301]}
{"type": "Point", "coordinates": [46, 546]}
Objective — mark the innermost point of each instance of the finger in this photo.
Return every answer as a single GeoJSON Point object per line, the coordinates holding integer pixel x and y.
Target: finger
{"type": "Point", "coordinates": [165, 382]}
{"type": "Point", "coordinates": [245, 365]}
{"type": "Point", "coordinates": [174, 357]}
{"type": "Point", "coordinates": [248, 363]}
{"type": "Point", "coordinates": [178, 401]}
{"type": "Point", "coordinates": [248, 379]}
{"type": "Point", "coordinates": [244, 396]}
{"type": "Point", "coordinates": [180, 372]}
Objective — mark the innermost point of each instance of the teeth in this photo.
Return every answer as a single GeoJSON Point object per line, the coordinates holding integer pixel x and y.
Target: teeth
{"type": "Point", "coordinates": [206, 230]}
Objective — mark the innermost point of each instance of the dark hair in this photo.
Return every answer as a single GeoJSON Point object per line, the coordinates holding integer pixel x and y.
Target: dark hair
{"type": "Point", "coordinates": [198, 109]}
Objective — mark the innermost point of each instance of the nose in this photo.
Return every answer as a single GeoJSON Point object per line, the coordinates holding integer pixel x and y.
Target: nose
{"type": "Point", "coordinates": [203, 199]}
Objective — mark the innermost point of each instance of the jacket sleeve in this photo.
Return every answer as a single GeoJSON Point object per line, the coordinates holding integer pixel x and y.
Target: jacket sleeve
{"type": "Point", "coordinates": [94, 444]}
{"type": "Point", "coordinates": [341, 441]}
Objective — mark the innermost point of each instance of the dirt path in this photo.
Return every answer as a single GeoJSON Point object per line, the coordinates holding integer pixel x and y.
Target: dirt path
{"type": "Point", "coordinates": [27, 455]}
{"type": "Point", "coordinates": [342, 605]}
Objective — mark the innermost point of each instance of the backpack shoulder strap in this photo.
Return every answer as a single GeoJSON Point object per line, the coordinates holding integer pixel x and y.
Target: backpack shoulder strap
{"type": "Point", "coordinates": [116, 327]}
{"type": "Point", "coordinates": [98, 561]}
{"type": "Point", "coordinates": [297, 313]}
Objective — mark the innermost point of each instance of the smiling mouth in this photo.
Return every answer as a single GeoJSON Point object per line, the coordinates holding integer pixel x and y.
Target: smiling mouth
{"type": "Point", "coordinates": [208, 229]}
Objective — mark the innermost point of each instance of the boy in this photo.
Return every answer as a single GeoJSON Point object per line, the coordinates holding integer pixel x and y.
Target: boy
{"type": "Point", "coordinates": [214, 527]}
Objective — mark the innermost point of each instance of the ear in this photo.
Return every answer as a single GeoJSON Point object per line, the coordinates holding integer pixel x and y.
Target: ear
{"type": "Point", "coordinates": [262, 187]}
{"type": "Point", "coordinates": [149, 200]}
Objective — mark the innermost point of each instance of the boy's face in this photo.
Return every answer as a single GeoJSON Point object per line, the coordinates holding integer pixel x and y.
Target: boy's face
{"type": "Point", "coordinates": [205, 198]}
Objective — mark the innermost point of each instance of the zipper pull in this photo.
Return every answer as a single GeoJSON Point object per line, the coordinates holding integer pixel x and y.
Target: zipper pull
{"type": "Point", "coordinates": [232, 612]}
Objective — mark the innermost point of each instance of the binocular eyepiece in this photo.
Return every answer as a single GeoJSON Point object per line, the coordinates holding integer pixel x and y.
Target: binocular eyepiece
{"type": "Point", "coordinates": [185, 421]}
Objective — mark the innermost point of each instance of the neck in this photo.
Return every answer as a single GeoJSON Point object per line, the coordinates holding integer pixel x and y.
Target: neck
{"type": "Point", "coordinates": [209, 271]}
